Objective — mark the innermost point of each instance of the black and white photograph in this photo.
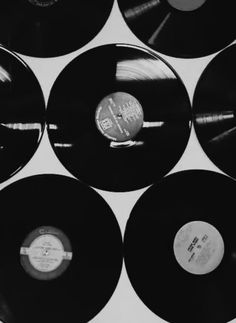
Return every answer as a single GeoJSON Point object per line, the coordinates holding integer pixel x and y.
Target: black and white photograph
{"type": "Point", "coordinates": [117, 161]}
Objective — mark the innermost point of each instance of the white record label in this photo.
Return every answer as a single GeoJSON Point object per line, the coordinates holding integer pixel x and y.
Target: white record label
{"type": "Point", "coordinates": [198, 247]}
{"type": "Point", "coordinates": [119, 116]}
{"type": "Point", "coordinates": [46, 253]}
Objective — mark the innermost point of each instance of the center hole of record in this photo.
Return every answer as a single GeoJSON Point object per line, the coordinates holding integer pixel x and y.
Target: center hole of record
{"type": "Point", "coordinates": [43, 3]}
{"type": "Point", "coordinates": [198, 247]}
{"type": "Point", "coordinates": [186, 5]}
{"type": "Point", "coordinates": [119, 116]}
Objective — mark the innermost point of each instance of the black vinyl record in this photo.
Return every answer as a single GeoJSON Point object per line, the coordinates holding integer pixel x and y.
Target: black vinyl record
{"type": "Point", "coordinates": [48, 28]}
{"type": "Point", "coordinates": [181, 28]}
{"type": "Point", "coordinates": [118, 117]}
{"type": "Point", "coordinates": [180, 248]}
{"type": "Point", "coordinates": [22, 114]}
{"type": "Point", "coordinates": [61, 251]}
{"type": "Point", "coordinates": [214, 107]}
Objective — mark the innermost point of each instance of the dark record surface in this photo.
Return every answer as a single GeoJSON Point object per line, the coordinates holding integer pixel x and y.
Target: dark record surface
{"type": "Point", "coordinates": [123, 75]}
{"type": "Point", "coordinates": [181, 28]}
{"type": "Point", "coordinates": [91, 277]}
{"type": "Point", "coordinates": [168, 290]}
{"type": "Point", "coordinates": [22, 114]}
{"type": "Point", "coordinates": [47, 28]}
{"type": "Point", "coordinates": [214, 107]}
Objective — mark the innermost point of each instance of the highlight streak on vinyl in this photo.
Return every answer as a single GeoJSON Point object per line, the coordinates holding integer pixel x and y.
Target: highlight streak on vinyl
{"type": "Point", "coordinates": [223, 135]}
{"type": "Point", "coordinates": [214, 106]}
{"type": "Point", "coordinates": [61, 251]}
{"type": "Point", "coordinates": [141, 9]}
{"type": "Point", "coordinates": [152, 40]}
{"type": "Point", "coordinates": [118, 117]}
{"type": "Point", "coordinates": [181, 28]}
{"type": "Point", "coordinates": [22, 126]}
{"type": "Point", "coordinates": [22, 114]}
{"type": "Point", "coordinates": [51, 28]}
{"type": "Point", "coordinates": [207, 118]}
{"type": "Point", "coordinates": [180, 247]}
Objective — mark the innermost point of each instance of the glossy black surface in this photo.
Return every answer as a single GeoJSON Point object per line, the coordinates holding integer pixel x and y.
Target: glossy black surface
{"type": "Point", "coordinates": [22, 114]}
{"type": "Point", "coordinates": [172, 293]}
{"type": "Point", "coordinates": [88, 222]}
{"type": "Point", "coordinates": [80, 146]}
{"type": "Point", "coordinates": [214, 107]}
{"type": "Point", "coordinates": [179, 33]}
{"type": "Point", "coordinates": [46, 30]}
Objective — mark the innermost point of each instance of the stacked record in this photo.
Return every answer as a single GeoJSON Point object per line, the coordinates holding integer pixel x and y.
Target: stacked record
{"type": "Point", "coordinates": [118, 117]}
{"type": "Point", "coordinates": [22, 114]}
{"type": "Point", "coordinates": [180, 248]}
{"type": "Point", "coordinates": [61, 251]}
{"type": "Point", "coordinates": [46, 28]}
{"type": "Point", "coordinates": [214, 107]}
{"type": "Point", "coordinates": [181, 28]}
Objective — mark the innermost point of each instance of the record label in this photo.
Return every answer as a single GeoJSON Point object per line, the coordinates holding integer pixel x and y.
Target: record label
{"type": "Point", "coordinates": [119, 116]}
{"type": "Point", "coordinates": [46, 253]}
{"type": "Point", "coordinates": [186, 5]}
{"type": "Point", "coordinates": [198, 247]}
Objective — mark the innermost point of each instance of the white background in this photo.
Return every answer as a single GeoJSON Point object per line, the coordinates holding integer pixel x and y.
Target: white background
{"type": "Point", "coordinates": [124, 306]}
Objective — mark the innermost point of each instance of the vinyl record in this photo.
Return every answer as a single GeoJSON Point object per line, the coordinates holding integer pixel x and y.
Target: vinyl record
{"type": "Point", "coordinates": [181, 28]}
{"type": "Point", "coordinates": [214, 107]}
{"type": "Point", "coordinates": [22, 114]}
{"type": "Point", "coordinates": [118, 117]}
{"type": "Point", "coordinates": [61, 250]}
{"type": "Point", "coordinates": [47, 28]}
{"type": "Point", "coordinates": [180, 248]}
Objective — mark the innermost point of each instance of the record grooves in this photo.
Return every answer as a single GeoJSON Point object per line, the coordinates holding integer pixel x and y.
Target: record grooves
{"type": "Point", "coordinates": [118, 117]}
{"type": "Point", "coordinates": [181, 28]}
{"type": "Point", "coordinates": [22, 114]}
{"type": "Point", "coordinates": [49, 28]}
{"type": "Point", "coordinates": [180, 248]}
{"type": "Point", "coordinates": [214, 106]}
{"type": "Point", "coordinates": [61, 251]}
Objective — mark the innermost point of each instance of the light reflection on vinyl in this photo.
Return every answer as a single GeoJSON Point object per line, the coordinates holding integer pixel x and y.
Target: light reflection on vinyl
{"type": "Point", "coordinates": [118, 117]}
{"type": "Point", "coordinates": [181, 28]}
{"type": "Point", "coordinates": [22, 114]}
{"type": "Point", "coordinates": [49, 28]}
{"type": "Point", "coordinates": [214, 107]}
